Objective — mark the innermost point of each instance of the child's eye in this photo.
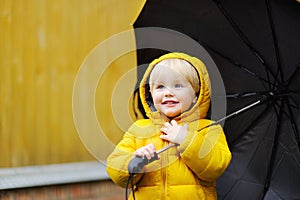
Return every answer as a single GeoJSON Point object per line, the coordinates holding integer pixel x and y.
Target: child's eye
{"type": "Point", "coordinates": [178, 85]}
{"type": "Point", "coordinates": [159, 87]}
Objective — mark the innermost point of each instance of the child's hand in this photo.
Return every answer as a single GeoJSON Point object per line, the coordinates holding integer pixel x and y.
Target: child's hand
{"type": "Point", "coordinates": [147, 151]}
{"type": "Point", "coordinates": [174, 132]}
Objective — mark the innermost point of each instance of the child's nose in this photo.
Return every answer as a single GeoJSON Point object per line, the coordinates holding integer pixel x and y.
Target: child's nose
{"type": "Point", "coordinates": [168, 92]}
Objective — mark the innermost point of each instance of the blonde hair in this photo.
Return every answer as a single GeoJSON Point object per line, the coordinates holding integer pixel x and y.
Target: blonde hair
{"type": "Point", "coordinates": [182, 67]}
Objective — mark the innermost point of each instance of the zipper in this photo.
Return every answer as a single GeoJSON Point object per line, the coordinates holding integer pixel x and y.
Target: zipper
{"type": "Point", "coordinates": [163, 172]}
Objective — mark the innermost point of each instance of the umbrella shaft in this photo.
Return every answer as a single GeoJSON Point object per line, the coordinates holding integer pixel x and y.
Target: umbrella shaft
{"type": "Point", "coordinates": [238, 111]}
{"type": "Point", "coordinates": [165, 148]}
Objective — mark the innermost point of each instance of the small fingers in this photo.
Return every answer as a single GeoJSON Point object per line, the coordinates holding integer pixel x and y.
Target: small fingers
{"type": "Point", "coordinates": [152, 147]}
{"type": "Point", "coordinates": [146, 151]}
{"type": "Point", "coordinates": [174, 123]}
{"type": "Point", "coordinates": [164, 130]}
{"type": "Point", "coordinates": [165, 137]}
{"type": "Point", "coordinates": [149, 151]}
{"type": "Point", "coordinates": [138, 152]}
{"type": "Point", "coordinates": [167, 124]}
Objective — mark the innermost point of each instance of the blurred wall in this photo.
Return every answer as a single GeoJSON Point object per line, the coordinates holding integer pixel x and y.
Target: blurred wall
{"type": "Point", "coordinates": [42, 45]}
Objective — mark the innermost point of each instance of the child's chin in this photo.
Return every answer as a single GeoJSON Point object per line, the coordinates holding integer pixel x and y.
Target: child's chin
{"type": "Point", "coordinates": [172, 115]}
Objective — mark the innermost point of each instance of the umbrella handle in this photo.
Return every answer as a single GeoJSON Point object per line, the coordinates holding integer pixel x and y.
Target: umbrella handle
{"type": "Point", "coordinates": [138, 162]}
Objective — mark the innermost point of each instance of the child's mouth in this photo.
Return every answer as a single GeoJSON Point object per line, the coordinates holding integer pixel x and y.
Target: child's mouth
{"type": "Point", "coordinates": [169, 102]}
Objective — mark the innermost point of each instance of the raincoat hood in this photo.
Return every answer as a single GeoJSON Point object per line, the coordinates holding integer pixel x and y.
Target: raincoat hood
{"type": "Point", "coordinates": [199, 109]}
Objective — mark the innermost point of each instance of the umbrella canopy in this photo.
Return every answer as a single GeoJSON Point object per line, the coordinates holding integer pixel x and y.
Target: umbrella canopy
{"type": "Point", "coordinates": [255, 45]}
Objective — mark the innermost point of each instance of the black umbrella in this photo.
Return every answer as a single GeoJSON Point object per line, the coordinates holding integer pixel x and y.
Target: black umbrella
{"type": "Point", "coordinates": [255, 45]}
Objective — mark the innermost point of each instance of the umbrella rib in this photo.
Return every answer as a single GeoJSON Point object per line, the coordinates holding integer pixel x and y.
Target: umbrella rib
{"type": "Point", "coordinates": [242, 95]}
{"type": "Point", "coordinates": [241, 66]}
{"type": "Point", "coordinates": [275, 41]}
{"type": "Point", "coordinates": [265, 94]}
{"type": "Point", "coordinates": [274, 149]}
{"type": "Point", "coordinates": [293, 123]}
{"type": "Point", "coordinates": [245, 40]}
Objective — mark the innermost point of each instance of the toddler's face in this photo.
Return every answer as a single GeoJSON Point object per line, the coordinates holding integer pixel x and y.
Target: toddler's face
{"type": "Point", "coordinates": [172, 94]}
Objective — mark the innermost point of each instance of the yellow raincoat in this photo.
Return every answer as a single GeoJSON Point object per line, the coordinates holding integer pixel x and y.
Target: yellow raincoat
{"type": "Point", "coordinates": [188, 171]}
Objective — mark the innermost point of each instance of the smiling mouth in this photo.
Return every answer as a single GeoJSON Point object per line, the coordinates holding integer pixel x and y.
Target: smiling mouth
{"type": "Point", "coordinates": [170, 102]}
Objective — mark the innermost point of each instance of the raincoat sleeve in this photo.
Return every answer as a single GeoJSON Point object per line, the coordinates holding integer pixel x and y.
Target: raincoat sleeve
{"type": "Point", "coordinates": [206, 152]}
{"type": "Point", "coordinates": [118, 160]}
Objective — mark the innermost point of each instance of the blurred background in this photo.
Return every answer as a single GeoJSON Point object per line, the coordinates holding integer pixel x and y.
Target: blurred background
{"type": "Point", "coordinates": [42, 46]}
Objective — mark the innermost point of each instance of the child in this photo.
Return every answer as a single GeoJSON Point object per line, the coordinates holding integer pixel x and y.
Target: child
{"type": "Point", "coordinates": [175, 93]}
